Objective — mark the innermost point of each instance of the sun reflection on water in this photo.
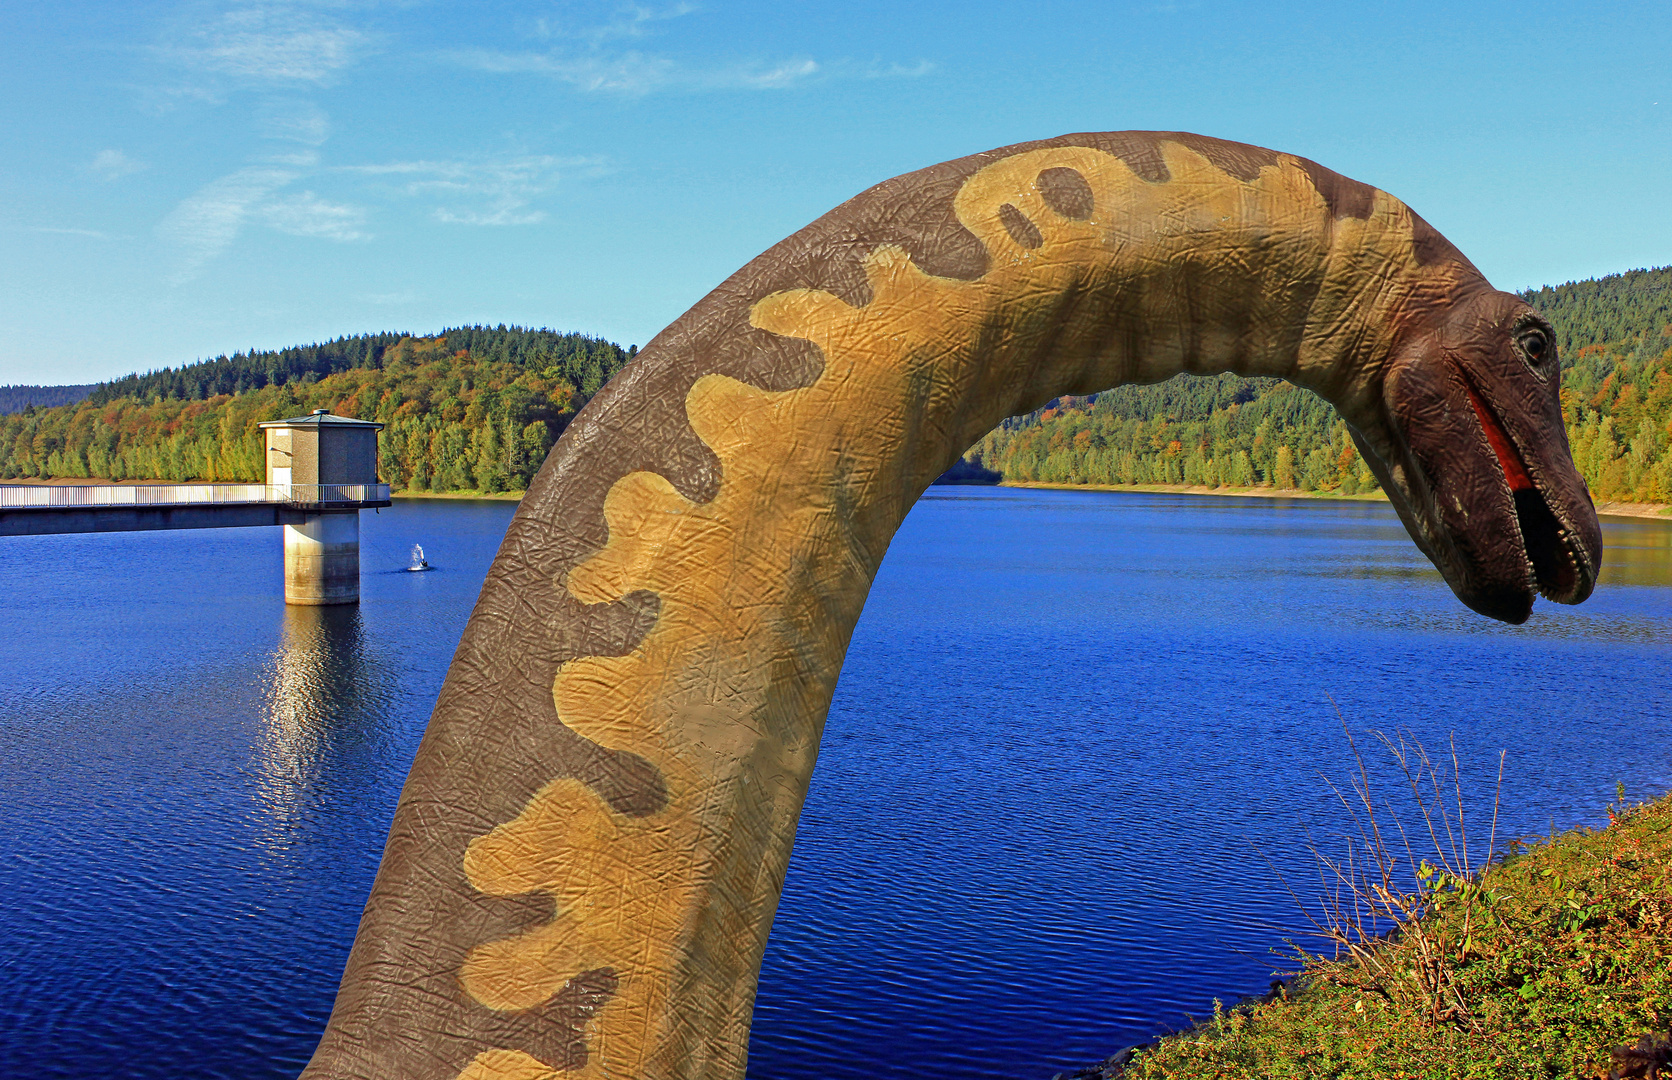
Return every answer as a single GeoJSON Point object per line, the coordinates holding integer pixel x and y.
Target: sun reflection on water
{"type": "Point", "coordinates": [318, 695]}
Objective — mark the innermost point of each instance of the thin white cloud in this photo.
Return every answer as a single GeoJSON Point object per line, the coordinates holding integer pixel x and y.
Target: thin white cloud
{"type": "Point", "coordinates": [770, 78]}
{"type": "Point", "coordinates": [94, 234]}
{"type": "Point", "coordinates": [309, 215]}
{"type": "Point", "coordinates": [636, 74]}
{"type": "Point", "coordinates": [208, 221]}
{"type": "Point", "coordinates": [591, 64]}
{"type": "Point", "coordinates": [268, 42]}
{"type": "Point", "coordinates": [495, 191]}
{"type": "Point", "coordinates": [294, 121]}
{"type": "Point", "coordinates": [633, 22]}
{"type": "Point", "coordinates": [114, 164]}
{"type": "Point", "coordinates": [630, 73]}
{"type": "Point", "coordinates": [302, 159]}
{"type": "Point", "coordinates": [392, 299]}
{"type": "Point", "coordinates": [508, 211]}
{"type": "Point", "coordinates": [898, 71]}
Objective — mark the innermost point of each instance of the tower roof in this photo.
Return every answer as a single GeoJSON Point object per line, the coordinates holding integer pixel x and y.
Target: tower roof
{"type": "Point", "coordinates": [321, 418]}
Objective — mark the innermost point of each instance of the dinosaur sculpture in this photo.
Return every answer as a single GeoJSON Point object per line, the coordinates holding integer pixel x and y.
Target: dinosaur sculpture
{"type": "Point", "coordinates": [586, 858]}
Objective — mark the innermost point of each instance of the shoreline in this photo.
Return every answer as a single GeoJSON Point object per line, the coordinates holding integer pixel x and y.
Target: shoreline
{"type": "Point", "coordinates": [1348, 1015]}
{"type": "Point", "coordinates": [1196, 489]}
{"type": "Point", "coordinates": [79, 481]}
{"type": "Point", "coordinates": [475, 496]}
{"type": "Point", "coordinates": [1604, 508]}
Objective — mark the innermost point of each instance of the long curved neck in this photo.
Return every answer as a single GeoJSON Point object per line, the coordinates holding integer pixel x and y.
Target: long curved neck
{"type": "Point", "coordinates": [585, 862]}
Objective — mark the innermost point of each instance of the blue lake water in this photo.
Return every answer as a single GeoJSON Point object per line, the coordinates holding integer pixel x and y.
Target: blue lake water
{"type": "Point", "coordinates": [1072, 729]}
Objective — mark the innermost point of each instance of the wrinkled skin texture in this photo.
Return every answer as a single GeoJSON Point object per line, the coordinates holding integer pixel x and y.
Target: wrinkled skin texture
{"type": "Point", "coordinates": [1447, 390]}
{"type": "Point", "coordinates": [586, 858]}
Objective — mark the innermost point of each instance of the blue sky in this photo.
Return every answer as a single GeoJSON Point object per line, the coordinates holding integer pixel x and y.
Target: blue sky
{"type": "Point", "coordinates": [180, 180]}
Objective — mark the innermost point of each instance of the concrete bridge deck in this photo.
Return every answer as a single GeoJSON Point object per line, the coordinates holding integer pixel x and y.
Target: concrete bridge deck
{"type": "Point", "coordinates": [31, 510]}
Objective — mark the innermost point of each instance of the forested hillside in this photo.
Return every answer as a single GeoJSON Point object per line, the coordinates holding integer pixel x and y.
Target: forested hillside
{"type": "Point", "coordinates": [1222, 431]}
{"type": "Point", "coordinates": [583, 362]}
{"type": "Point", "coordinates": [17, 398]}
{"type": "Point", "coordinates": [1615, 336]}
{"type": "Point", "coordinates": [478, 407]}
{"type": "Point", "coordinates": [456, 419]}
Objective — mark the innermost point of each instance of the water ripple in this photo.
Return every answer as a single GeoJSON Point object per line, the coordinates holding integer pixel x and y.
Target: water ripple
{"type": "Point", "coordinates": [1072, 729]}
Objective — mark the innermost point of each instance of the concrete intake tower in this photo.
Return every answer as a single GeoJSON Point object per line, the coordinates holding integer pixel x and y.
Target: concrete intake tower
{"type": "Point", "coordinates": [321, 463]}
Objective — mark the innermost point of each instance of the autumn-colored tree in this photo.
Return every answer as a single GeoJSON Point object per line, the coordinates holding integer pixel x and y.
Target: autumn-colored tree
{"type": "Point", "coordinates": [452, 422]}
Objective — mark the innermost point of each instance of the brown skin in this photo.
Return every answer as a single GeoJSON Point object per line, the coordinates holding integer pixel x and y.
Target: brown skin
{"type": "Point", "coordinates": [584, 863]}
{"type": "Point", "coordinates": [1497, 548]}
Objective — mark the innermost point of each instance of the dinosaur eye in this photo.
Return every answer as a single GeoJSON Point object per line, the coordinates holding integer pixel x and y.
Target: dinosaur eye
{"type": "Point", "coordinates": [1534, 344]}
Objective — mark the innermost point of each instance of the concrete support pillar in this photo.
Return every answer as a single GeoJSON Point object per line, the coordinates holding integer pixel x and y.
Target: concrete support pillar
{"type": "Point", "coordinates": [322, 559]}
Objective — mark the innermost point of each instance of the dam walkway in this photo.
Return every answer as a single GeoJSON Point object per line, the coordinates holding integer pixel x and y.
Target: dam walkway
{"type": "Point", "coordinates": [32, 510]}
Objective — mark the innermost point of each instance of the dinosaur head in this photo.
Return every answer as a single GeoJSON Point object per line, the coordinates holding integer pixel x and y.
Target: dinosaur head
{"type": "Point", "coordinates": [1469, 446]}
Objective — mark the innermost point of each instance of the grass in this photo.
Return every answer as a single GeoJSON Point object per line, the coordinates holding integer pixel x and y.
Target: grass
{"type": "Point", "coordinates": [1538, 965]}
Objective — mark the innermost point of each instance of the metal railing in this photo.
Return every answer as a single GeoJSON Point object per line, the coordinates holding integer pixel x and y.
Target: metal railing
{"type": "Point", "coordinates": [311, 494]}
{"type": "Point", "coordinates": [42, 497]}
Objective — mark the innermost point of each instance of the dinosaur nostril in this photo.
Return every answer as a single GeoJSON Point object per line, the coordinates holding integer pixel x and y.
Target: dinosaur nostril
{"type": "Point", "coordinates": [1066, 191]}
{"type": "Point", "coordinates": [1021, 230]}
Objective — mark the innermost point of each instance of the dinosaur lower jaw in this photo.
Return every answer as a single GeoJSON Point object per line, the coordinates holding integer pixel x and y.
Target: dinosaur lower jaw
{"type": "Point", "coordinates": [1551, 550]}
{"type": "Point", "coordinates": [1553, 553]}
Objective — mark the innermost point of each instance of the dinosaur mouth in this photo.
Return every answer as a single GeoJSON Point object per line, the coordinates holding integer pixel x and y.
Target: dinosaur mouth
{"type": "Point", "coordinates": [1555, 561]}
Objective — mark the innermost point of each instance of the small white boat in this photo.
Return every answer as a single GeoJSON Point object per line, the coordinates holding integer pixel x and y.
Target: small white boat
{"type": "Point", "coordinates": [418, 561]}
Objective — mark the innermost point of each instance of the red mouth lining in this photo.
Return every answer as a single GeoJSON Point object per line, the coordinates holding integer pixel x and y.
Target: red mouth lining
{"type": "Point", "coordinates": [1515, 471]}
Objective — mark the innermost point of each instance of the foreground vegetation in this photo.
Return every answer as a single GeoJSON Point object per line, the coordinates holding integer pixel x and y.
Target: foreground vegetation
{"type": "Point", "coordinates": [1540, 966]}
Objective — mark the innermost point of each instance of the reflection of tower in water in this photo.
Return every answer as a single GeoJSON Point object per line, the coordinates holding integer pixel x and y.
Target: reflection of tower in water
{"type": "Point", "coordinates": [318, 692]}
